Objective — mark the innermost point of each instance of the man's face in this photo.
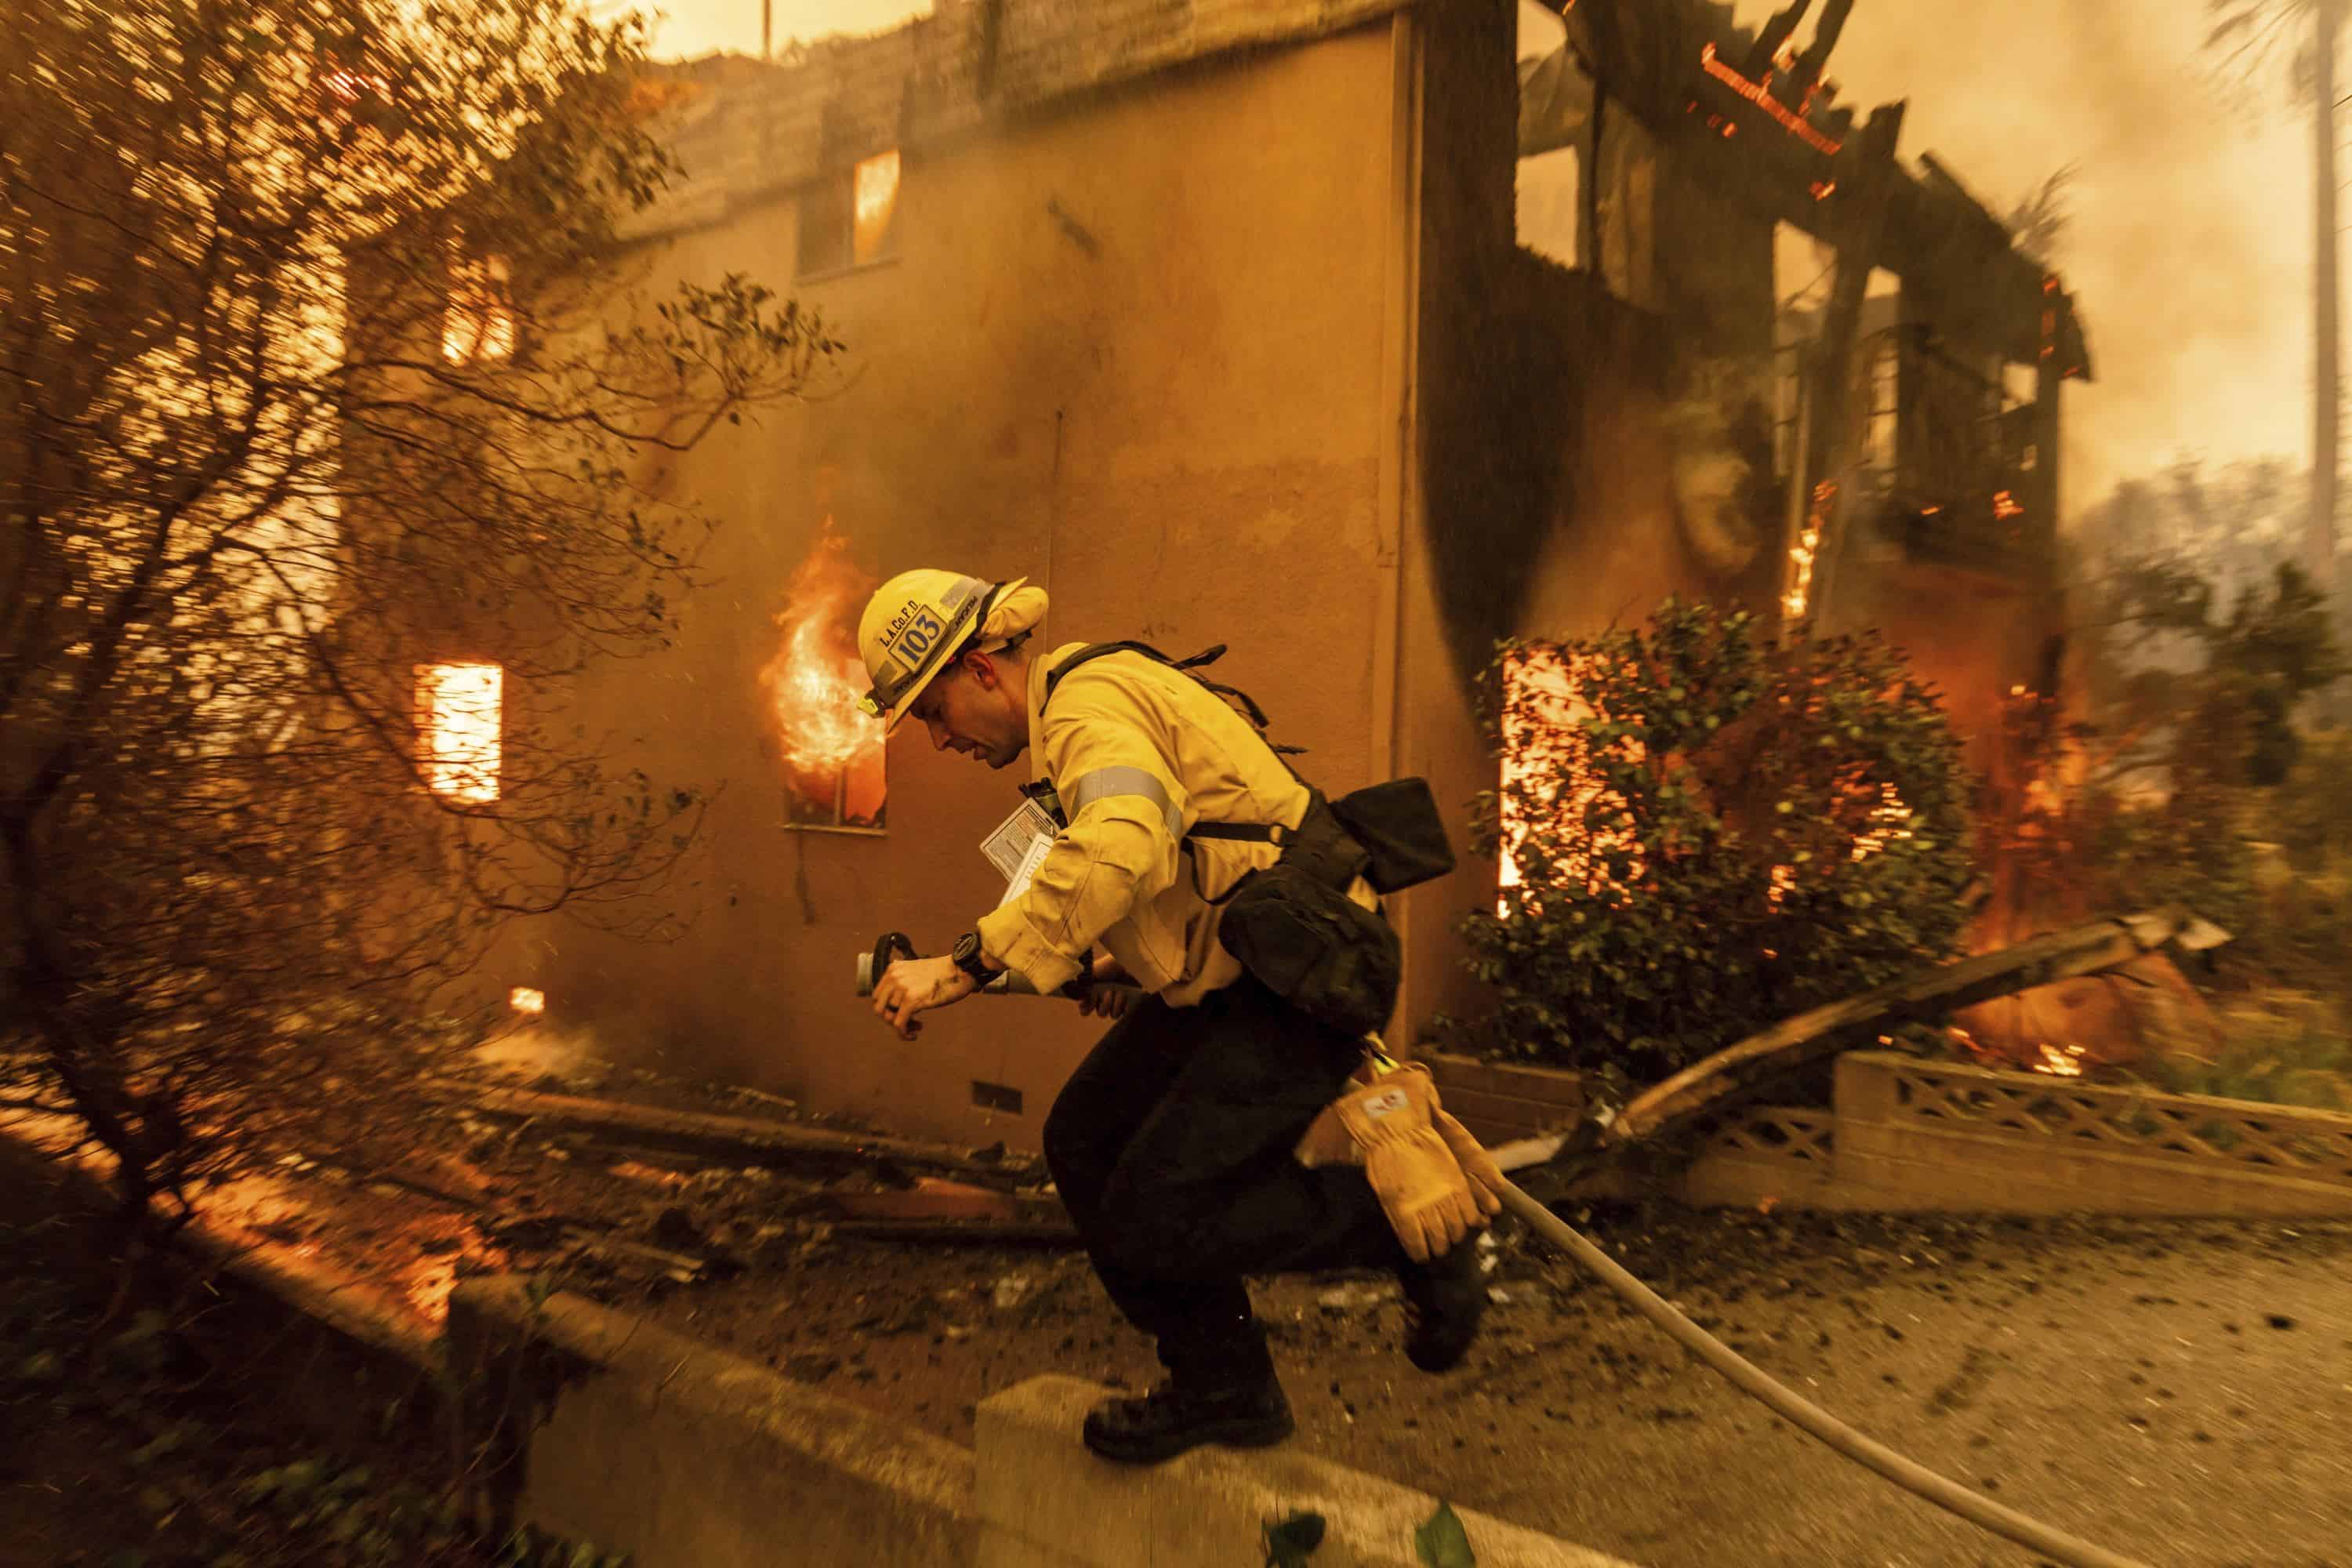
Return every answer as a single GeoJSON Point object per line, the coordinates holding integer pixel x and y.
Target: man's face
{"type": "Point", "coordinates": [976, 708]}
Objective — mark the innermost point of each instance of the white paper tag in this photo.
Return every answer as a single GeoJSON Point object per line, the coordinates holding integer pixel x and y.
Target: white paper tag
{"type": "Point", "coordinates": [1026, 872]}
{"type": "Point", "coordinates": [1016, 838]}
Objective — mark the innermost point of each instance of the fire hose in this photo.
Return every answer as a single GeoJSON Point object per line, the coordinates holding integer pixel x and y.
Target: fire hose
{"type": "Point", "coordinates": [1802, 1413]}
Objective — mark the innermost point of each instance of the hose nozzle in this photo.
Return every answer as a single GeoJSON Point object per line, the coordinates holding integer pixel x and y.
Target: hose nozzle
{"type": "Point", "coordinates": [892, 946]}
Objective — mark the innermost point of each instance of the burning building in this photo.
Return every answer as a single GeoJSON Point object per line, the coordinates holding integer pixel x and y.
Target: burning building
{"type": "Point", "coordinates": [1352, 333]}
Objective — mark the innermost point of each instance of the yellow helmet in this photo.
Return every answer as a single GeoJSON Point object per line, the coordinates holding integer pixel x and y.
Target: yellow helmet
{"type": "Point", "coordinates": [912, 626]}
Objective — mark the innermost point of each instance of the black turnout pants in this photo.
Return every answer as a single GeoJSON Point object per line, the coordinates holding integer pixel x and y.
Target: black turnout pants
{"type": "Point", "coordinates": [1172, 1147]}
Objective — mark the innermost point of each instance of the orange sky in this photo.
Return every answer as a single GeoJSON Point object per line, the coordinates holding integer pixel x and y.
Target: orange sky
{"type": "Point", "coordinates": [2192, 233]}
{"type": "Point", "coordinates": [692, 27]}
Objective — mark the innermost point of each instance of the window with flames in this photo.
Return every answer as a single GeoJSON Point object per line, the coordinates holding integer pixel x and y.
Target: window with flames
{"type": "Point", "coordinates": [477, 317]}
{"type": "Point", "coordinates": [1551, 784]}
{"type": "Point", "coordinates": [459, 724]}
{"type": "Point", "coordinates": [850, 219]}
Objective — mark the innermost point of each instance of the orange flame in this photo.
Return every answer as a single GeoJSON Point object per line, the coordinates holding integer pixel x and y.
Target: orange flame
{"type": "Point", "coordinates": [457, 708]}
{"type": "Point", "coordinates": [527, 999]}
{"type": "Point", "coordinates": [874, 197]}
{"type": "Point", "coordinates": [1543, 738]}
{"type": "Point", "coordinates": [815, 678]}
{"type": "Point", "coordinates": [2057, 1063]}
{"type": "Point", "coordinates": [1806, 551]}
{"type": "Point", "coordinates": [477, 320]}
{"type": "Point", "coordinates": [1886, 822]}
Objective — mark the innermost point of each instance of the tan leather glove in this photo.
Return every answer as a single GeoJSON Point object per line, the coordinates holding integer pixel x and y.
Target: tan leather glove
{"type": "Point", "coordinates": [1420, 1183]}
{"type": "Point", "coordinates": [1486, 1177]}
{"type": "Point", "coordinates": [1325, 1141]}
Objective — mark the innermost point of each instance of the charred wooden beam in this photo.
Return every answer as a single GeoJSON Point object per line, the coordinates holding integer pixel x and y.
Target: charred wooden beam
{"type": "Point", "coordinates": [738, 1140]}
{"type": "Point", "coordinates": [1739, 1072]}
{"type": "Point", "coordinates": [1868, 190]}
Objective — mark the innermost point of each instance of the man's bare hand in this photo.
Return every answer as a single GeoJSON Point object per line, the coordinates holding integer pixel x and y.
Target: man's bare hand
{"type": "Point", "coordinates": [915, 985]}
{"type": "Point", "coordinates": [1107, 1000]}
{"type": "Point", "coordinates": [1110, 990]}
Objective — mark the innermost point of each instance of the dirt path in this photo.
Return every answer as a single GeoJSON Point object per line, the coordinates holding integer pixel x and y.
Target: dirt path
{"type": "Point", "coordinates": [2178, 1391]}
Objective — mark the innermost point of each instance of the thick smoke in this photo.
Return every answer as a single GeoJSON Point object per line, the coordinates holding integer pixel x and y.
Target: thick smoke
{"type": "Point", "coordinates": [2191, 244]}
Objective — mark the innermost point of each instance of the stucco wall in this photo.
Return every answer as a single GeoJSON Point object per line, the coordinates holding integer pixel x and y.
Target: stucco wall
{"type": "Point", "coordinates": [1547, 503]}
{"type": "Point", "coordinates": [1131, 350]}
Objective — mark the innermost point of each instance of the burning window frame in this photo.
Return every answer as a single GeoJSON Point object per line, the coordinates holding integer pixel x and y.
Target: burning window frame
{"type": "Point", "coordinates": [813, 682]}
{"type": "Point", "coordinates": [803, 814]}
{"type": "Point", "coordinates": [458, 755]}
{"type": "Point", "coordinates": [1544, 733]}
{"type": "Point", "coordinates": [849, 219]}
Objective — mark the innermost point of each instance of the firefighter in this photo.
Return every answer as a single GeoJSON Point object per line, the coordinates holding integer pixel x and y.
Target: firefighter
{"type": "Point", "coordinates": [1177, 1144]}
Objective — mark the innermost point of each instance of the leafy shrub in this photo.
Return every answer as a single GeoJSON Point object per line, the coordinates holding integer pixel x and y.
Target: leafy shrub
{"type": "Point", "coordinates": [2283, 1049]}
{"type": "Point", "coordinates": [2270, 866]}
{"type": "Point", "coordinates": [1710, 831]}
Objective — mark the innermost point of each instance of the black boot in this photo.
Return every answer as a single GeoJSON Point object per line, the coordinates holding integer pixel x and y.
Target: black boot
{"type": "Point", "coordinates": [1443, 1299]}
{"type": "Point", "coordinates": [1173, 1417]}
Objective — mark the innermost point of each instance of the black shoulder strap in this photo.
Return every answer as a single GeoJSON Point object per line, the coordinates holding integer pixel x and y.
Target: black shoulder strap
{"type": "Point", "coordinates": [1054, 677]}
{"type": "Point", "coordinates": [1249, 832]}
{"type": "Point", "coordinates": [1189, 665]}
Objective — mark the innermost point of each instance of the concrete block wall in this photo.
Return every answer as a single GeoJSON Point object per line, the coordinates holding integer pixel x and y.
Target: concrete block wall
{"type": "Point", "coordinates": [750, 130]}
{"type": "Point", "coordinates": [1045, 1502]}
{"type": "Point", "coordinates": [609, 1430]}
{"type": "Point", "coordinates": [603, 1429]}
{"type": "Point", "coordinates": [1500, 1104]}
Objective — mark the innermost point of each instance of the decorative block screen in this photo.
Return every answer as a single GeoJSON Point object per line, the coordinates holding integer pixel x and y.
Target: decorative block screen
{"type": "Point", "coordinates": [2315, 1145]}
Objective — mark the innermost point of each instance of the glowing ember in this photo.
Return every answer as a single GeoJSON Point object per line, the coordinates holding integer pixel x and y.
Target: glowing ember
{"type": "Point", "coordinates": [1806, 553]}
{"type": "Point", "coordinates": [2057, 1063]}
{"type": "Point", "coordinates": [815, 678]}
{"type": "Point", "coordinates": [523, 999]}
{"type": "Point", "coordinates": [1544, 744]}
{"type": "Point", "coordinates": [1887, 819]}
{"type": "Point", "coordinates": [458, 712]}
{"type": "Point", "coordinates": [1760, 93]}
{"type": "Point", "coordinates": [2004, 507]}
{"type": "Point", "coordinates": [1824, 189]}
{"type": "Point", "coordinates": [1886, 824]}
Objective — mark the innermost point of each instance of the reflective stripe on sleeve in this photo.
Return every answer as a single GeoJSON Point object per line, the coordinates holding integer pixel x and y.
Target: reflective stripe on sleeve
{"type": "Point", "coordinates": [1104, 782]}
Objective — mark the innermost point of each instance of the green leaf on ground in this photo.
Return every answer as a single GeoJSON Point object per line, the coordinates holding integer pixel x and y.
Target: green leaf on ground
{"type": "Point", "coordinates": [1288, 1543]}
{"type": "Point", "coordinates": [1442, 1542]}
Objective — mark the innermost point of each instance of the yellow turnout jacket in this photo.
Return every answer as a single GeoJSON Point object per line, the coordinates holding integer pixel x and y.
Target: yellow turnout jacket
{"type": "Point", "coordinates": [1139, 753]}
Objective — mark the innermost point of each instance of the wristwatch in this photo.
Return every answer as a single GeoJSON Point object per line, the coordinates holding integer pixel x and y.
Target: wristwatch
{"type": "Point", "coordinates": [966, 953]}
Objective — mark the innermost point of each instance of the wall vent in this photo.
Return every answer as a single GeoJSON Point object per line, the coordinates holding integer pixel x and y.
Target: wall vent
{"type": "Point", "coordinates": [995, 1097]}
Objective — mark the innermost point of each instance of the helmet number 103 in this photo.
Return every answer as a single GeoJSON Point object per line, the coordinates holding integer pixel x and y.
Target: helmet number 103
{"type": "Point", "coordinates": [916, 638]}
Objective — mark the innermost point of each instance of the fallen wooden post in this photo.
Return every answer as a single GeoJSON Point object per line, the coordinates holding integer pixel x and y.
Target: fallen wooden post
{"type": "Point", "coordinates": [1714, 1085]}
